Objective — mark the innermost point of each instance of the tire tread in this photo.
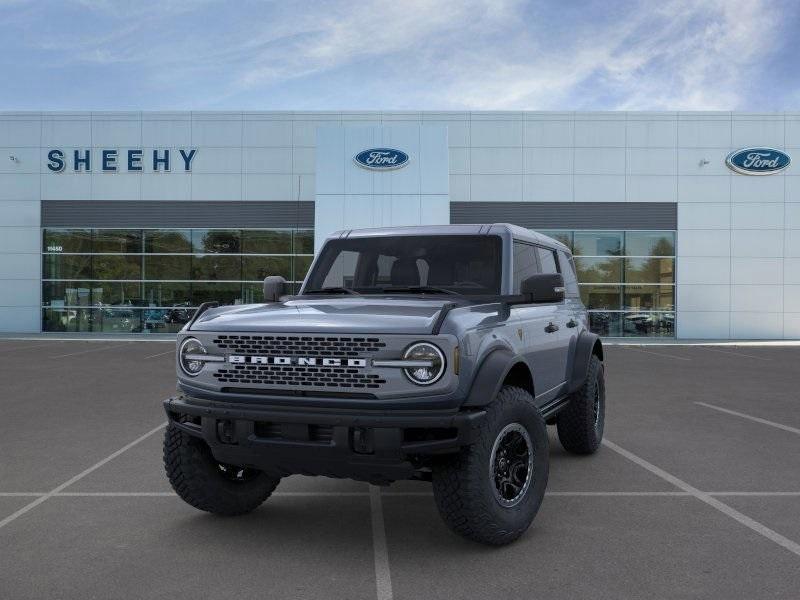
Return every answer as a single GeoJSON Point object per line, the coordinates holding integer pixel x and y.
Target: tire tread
{"type": "Point", "coordinates": [187, 464]}
{"type": "Point", "coordinates": [459, 482]}
{"type": "Point", "coordinates": [575, 423]}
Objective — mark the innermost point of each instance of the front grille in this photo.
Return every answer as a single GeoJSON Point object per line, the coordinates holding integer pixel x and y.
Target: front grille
{"type": "Point", "coordinates": [267, 430]}
{"type": "Point", "coordinates": [322, 434]}
{"type": "Point", "coordinates": [330, 377]}
{"type": "Point", "coordinates": [321, 346]}
{"type": "Point", "coordinates": [297, 376]}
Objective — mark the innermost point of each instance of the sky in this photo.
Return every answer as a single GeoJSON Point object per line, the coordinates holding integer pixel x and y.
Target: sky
{"type": "Point", "coordinates": [400, 55]}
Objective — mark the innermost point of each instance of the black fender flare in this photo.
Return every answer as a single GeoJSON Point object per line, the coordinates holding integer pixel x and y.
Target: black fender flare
{"type": "Point", "coordinates": [584, 348]}
{"type": "Point", "coordinates": [490, 376]}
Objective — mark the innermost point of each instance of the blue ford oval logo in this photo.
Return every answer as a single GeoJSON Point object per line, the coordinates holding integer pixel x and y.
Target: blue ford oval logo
{"type": "Point", "coordinates": [381, 159]}
{"type": "Point", "coordinates": [758, 161]}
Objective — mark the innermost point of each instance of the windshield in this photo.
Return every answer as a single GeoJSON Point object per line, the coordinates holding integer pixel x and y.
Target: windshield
{"type": "Point", "coordinates": [440, 264]}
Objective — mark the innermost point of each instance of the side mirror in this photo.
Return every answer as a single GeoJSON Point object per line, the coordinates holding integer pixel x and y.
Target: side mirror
{"type": "Point", "coordinates": [544, 287]}
{"type": "Point", "coordinates": [274, 288]}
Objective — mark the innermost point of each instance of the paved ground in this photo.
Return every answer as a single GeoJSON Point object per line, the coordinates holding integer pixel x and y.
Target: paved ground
{"type": "Point", "coordinates": [686, 500]}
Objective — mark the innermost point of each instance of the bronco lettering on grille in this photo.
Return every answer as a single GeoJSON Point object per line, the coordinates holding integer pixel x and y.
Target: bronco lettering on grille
{"type": "Point", "coordinates": [302, 361]}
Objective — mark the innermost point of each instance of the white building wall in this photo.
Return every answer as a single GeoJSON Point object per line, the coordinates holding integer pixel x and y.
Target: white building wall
{"type": "Point", "coordinates": [735, 266]}
{"type": "Point", "coordinates": [349, 196]}
{"type": "Point", "coordinates": [738, 266]}
{"type": "Point", "coordinates": [20, 237]}
{"type": "Point", "coordinates": [241, 156]}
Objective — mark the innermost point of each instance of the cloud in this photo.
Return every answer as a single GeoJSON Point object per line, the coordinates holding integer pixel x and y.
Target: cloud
{"type": "Point", "coordinates": [450, 54]}
{"type": "Point", "coordinates": [348, 33]}
{"type": "Point", "coordinates": [702, 58]}
{"type": "Point", "coordinates": [685, 55]}
{"type": "Point", "coordinates": [477, 55]}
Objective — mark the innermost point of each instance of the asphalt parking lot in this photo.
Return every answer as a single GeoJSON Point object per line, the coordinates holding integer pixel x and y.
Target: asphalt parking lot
{"type": "Point", "coordinates": [696, 494]}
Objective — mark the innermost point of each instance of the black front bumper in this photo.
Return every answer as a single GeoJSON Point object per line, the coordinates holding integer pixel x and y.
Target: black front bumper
{"type": "Point", "coordinates": [369, 445]}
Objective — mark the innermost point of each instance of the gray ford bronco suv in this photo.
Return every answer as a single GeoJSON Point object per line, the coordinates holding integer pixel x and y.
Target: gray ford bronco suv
{"type": "Point", "coordinates": [436, 353]}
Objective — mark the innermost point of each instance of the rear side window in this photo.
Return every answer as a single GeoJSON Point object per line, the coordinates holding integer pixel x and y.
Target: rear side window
{"type": "Point", "coordinates": [547, 260]}
{"type": "Point", "coordinates": [525, 263]}
{"type": "Point", "coordinates": [570, 278]}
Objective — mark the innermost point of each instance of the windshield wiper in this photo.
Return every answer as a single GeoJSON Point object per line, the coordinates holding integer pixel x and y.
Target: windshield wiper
{"type": "Point", "coordinates": [417, 289]}
{"type": "Point", "coordinates": [333, 290]}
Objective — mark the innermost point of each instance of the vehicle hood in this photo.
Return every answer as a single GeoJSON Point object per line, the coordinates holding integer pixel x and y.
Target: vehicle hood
{"type": "Point", "coordinates": [334, 315]}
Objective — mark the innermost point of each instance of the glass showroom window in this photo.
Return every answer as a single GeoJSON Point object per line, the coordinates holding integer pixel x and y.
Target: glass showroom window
{"type": "Point", "coordinates": [627, 280]}
{"type": "Point", "coordinates": [152, 280]}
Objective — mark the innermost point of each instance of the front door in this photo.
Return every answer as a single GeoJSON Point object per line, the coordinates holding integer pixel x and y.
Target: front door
{"type": "Point", "coordinates": [542, 325]}
{"type": "Point", "coordinates": [560, 319]}
{"type": "Point", "coordinates": [542, 343]}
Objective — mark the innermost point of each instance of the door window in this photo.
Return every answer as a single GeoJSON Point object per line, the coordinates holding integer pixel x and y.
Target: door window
{"type": "Point", "coordinates": [570, 278]}
{"type": "Point", "coordinates": [525, 264]}
{"type": "Point", "coordinates": [547, 260]}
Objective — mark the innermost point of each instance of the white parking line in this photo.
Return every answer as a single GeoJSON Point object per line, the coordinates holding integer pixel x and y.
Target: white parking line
{"type": "Point", "coordinates": [617, 494]}
{"type": "Point", "coordinates": [755, 494]}
{"type": "Point", "coordinates": [174, 495]}
{"type": "Point", "coordinates": [383, 577]}
{"type": "Point", "coordinates": [115, 494]}
{"type": "Point", "coordinates": [657, 353]}
{"type": "Point", "coordinates": [91, 350]}
{"type": "Point", "coordinates": [79, 476]}
{"type": "Point", "coordinates": [684, 343]}
{"type": "Point", "coordinates": [323, 494]}
{"type": "Point", "coordinates": [31, 347]}
{"type": "Point", "coordinates": [750, 418]}
{"type": "Point", "coordinates": [599, 494]}
{"type": "Point", "coordinates": [172, 351]}
{"type": "Point", "coordinates": [734, 514]}
{"type": "Point", "coordinates": [394, 494]}
{"type": "Point", "coordinates": [742, 354]}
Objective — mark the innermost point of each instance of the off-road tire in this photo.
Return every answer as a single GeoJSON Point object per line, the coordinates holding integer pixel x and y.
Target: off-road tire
{"type": "Point", "coordinates": [580, 431]}
{"type": "Point", "coordinates": [463, 486]}
{"type": "Point", "coordinates": [198, 479]}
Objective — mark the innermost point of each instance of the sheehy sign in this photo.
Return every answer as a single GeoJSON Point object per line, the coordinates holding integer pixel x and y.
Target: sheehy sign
{"type": "Point", "coordinates": [112, 160]}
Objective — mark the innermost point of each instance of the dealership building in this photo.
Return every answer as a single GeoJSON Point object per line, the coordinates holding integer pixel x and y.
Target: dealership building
{"type": "Point", "coordinates": [683, 225]}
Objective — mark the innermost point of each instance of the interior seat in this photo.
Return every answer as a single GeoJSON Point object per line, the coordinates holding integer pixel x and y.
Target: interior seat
{"type": "Point", "coordinates": [405, 272]}
{"type": "Point", "coordinates": [440, 274]}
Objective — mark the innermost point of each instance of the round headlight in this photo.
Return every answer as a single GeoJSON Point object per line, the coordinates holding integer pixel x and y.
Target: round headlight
{"type": "Point", "coordinates": [190, 351]}
{"type": "Point", "coordinates": [431, 363]}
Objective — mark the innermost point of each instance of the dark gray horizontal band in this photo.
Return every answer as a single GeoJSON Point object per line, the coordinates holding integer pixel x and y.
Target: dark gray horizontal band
{"type": "Point", "coordinates": [569, 215]}
{"type": "Point", "coordinates": [176, 213]}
